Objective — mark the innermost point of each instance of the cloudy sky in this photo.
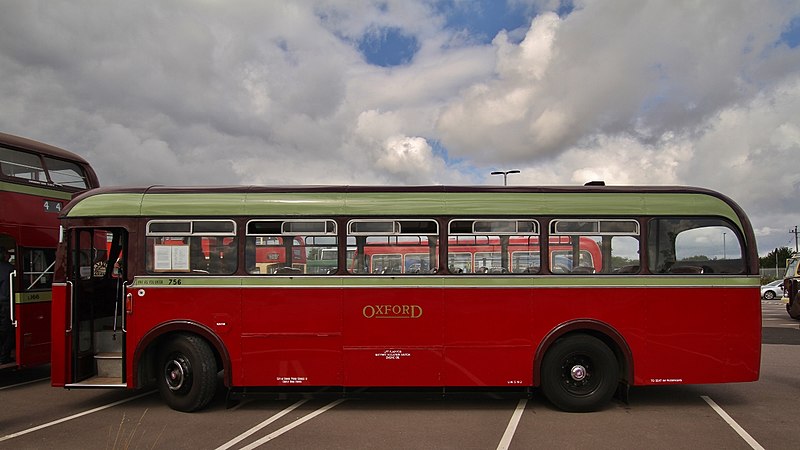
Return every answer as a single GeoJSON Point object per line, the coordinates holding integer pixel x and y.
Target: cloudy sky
{"type": "Point", "coordinates": [703, 93]}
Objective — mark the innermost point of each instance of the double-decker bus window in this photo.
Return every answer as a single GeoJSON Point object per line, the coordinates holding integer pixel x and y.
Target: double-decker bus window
{"type": "Point", "coordinates": [191, 246]}
{"type": "Point", "coordinates": [22, 165]}
{"type": "Point", "coordinates": [595, 246]}
{"type": "Point", "coordinates": [392, 247]}
{"type": "Point", "coordinates": [28, 167]}
{"type": "Point", "coordinates": [694, 246]}
{"type": "Point", "coordinates": [291, 247]}
{"type": "Point", "coordinates": [65, 173]}
{"type": "Point", "coordinates": [493, 246]}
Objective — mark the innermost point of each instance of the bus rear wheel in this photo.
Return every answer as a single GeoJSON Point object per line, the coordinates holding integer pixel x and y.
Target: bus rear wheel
{"type": "Point", "coordinates": [794, 310]}
{"type": "Point", "coordinates": [579, 373]}
{"type": "Point", "coordinates": [187, 373]}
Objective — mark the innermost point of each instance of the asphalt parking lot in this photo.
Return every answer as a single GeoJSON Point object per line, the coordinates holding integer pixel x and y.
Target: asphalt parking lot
{"type": "Point", "coordinates": [746, 415]}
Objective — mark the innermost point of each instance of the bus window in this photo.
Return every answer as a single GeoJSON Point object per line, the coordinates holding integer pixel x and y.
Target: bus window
{"type": "Point", "coordinates": [694, 247]}
{"type": "Point", "coordinates": [594, 246]}
{"type": "Point", "coordinates": [291, 247]}
{"type": "Point", "coordinates": [65, 173]}
{"type": "Point", "coordinates": [191, 246]}
{"type": "Point", "coordinates": [391, 247]}
{"type": "Point", "coordinates": [493, 246]}
{"type": "Point", "coordinates": [38, 268]}
{"type": "Point", "coordinates": [459, 262]}
{"type": "Point", "coordinates": [22, 165]}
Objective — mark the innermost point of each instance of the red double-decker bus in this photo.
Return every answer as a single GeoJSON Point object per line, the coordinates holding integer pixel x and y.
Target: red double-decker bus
{"type": "Point", "coordinates": [405, 287]}
{"type": "Point", "coordinates": [36, 181]}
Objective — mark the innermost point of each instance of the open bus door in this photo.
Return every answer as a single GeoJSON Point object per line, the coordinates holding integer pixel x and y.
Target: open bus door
{"type": "Point", "coordinates": [97, 267]}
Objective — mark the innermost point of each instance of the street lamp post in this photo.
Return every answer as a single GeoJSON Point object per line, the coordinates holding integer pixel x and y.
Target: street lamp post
{"type": "Point", "coordinates": [504, 173]}
{"type": "Point", "coordinates": [724, 253]}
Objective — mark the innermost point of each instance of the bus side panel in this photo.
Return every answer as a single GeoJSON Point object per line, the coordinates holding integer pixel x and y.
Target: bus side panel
{"type": "Point", "coordinates": [619, 309]}
{"type": "Point", "coordinates": [35, 218]}
{"type": "Point", "coordinates": [743, 333]}
{"type": "Point", "coordinates": [701, 335]}
{"type": "Point", "coordinates": [487, 336]}
{"type": "Point", "coordinates": [291, 336]}
{"type": "Point", "coordinates": [33, 328]}
{"type": "Point", "coordinates": [393, 335]}
{"type": "Point", "coordinates": [676, 335]}
{"type": "Point", "coordinates": [218, 309]}
{"type": "Point", "coordinates": [61, 348]}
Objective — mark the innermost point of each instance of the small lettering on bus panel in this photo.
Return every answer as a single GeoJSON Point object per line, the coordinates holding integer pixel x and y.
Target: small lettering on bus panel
{"type": "Point", "coordinates": [291, 380]}
{"type": "Point", "coordinates": [392, 354]}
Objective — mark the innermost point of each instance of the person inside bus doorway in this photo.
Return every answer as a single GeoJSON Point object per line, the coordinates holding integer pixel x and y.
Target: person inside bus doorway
{"type": "Point", "coordinates": [6, 328]}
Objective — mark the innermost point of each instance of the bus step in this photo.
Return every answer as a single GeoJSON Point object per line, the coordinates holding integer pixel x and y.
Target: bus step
{"type": "Point", "coordinates": [109, 364]}
{"type": "Point", "coordinates": [107, 341]}
{"type": "Point", "coordinates": [97, 382]}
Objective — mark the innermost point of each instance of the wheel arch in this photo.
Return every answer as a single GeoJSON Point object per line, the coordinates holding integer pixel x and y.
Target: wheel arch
{"type": "Point", "coordinates": [144, 357]}
{"type": "Point", "coordinates": [601, 330]}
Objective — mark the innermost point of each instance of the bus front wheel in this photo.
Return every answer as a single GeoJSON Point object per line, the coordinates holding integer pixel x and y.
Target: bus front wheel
{"type": "Point", "coordinates": [579, 373]}
{"type": "Point", "coordinates": [187, 378]}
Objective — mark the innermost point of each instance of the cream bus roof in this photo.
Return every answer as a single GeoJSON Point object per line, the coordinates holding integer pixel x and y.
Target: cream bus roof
{"type": "Point", "coordinates": [161, 201]}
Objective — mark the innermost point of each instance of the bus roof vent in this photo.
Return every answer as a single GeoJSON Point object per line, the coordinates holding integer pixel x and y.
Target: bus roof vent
{"type": "Point", "coordinates": [595, 183]}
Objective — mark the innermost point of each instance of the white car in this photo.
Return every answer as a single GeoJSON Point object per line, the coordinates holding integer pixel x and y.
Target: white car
{"type": "Point", "coordinates": [771, 290]}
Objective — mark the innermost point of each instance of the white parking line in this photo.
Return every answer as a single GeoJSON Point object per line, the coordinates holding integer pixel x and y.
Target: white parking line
{"type": "Point", "coordinates": [292, 425]}
{"type": "Point", "coordinates": [247, 433]}
{"type": "Point", "coordinates": [74, 416]}
{"type": "Point", "coordinates": [512, 425]}
{"type": "Point", "coordinates": [744, 434]}
{"type": "Point", "coordinates": [23, 384]}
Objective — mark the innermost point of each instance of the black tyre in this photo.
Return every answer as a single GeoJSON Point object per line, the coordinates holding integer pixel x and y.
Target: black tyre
{"type": "Point", "coordinates": [187, 373]}
{"type": "Point", "coordinates": [794, 310]}
{"type": "Point", "coordinates": [769, 295]}
{"type": "Point", "coordinates": [579, 373]}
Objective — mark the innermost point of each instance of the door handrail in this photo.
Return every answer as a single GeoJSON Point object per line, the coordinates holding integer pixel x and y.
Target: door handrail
{"type": "Point", "coordinates": [71, 303]}
{"type": "Point", "coordinates": [11, 296]}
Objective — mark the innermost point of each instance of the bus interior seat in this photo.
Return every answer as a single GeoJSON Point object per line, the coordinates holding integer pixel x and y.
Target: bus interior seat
{"type": "Point", "coordinates": [689, 270]}
{"type": "Point", "coordinates": [633, 268]}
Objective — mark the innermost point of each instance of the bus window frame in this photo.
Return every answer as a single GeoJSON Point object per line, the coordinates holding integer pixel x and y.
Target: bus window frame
{"type": "Point", "coordinates": [637, 233]}
{"type": "Point", "coordinates": [691, 269]}
{"type": "Point", "coordinates": [187, 247]}
{"type": "Point", "coordinates": [297, 240]}
{"type": "Point", "coordinates": [483, 238]}
{"type": "Point", "coordinates": [396, 231]}
{"type": "Point", "coordinates": [44, 169]}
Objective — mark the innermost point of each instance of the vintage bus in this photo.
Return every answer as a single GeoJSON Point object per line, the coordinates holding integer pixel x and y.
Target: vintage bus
{"type": "Point", "coordinates": [435, 287]}
{"type": "Point", "coordinates": [36, 181]}
{"type": "Point", "coordinates": [791, 286]}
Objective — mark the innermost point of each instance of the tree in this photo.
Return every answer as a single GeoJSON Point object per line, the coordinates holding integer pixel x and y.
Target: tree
{"type": "Point", "coordinates": [783, 254]}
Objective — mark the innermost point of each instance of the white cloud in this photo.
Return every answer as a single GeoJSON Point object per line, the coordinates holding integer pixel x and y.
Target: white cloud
{"type": "Point", "coordinates": [410, 158]}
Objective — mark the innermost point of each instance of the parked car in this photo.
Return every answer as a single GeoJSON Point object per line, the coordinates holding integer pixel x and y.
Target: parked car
{"type": "Point", "coordinates": [772, 290]}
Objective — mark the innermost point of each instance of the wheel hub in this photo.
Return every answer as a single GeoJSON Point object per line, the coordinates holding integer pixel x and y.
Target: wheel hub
{"type": "Point", "coordinates": [578, 372]}
{"type": "Point", "coordinates": [175, 373]}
